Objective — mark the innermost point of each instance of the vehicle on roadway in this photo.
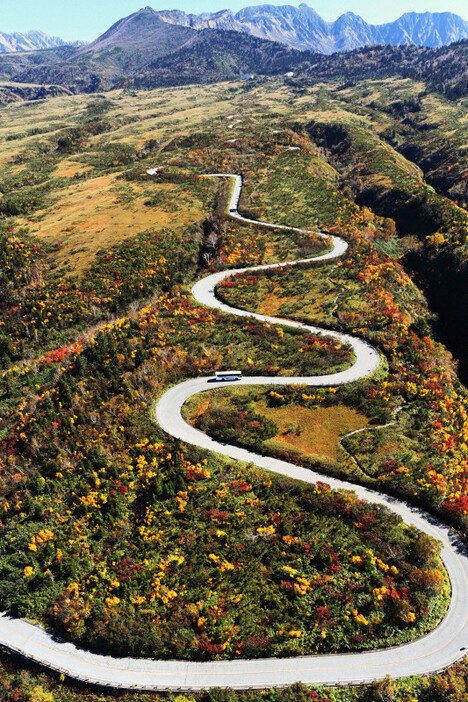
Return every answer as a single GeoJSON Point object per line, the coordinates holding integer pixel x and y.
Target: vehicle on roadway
{"type": "Point", "coordinates": [228, 375]}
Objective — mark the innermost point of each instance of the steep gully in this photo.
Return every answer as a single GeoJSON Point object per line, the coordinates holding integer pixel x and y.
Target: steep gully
{"type": "Point", "coordinates": [433, 652]}
{"type": "Point", "coordinates": [442, 276]}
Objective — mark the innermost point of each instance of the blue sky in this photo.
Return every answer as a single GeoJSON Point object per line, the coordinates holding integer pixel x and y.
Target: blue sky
{"type": "Point", "coordinates": [86, 19]}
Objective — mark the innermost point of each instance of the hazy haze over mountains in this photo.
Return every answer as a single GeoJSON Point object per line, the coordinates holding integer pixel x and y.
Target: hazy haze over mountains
{"type": "Point", "coordinates": [302, 28]}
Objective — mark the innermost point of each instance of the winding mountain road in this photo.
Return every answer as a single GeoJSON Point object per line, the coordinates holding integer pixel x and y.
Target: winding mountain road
{"type": "Point", "coordinates": [443, 646]}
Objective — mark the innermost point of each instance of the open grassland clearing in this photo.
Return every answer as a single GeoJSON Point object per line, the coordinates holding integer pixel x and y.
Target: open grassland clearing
{"type": "Point", "coordinates": [300, 293]}
{"type": "Point", "coordinates": [119, 126]}
{"type": "Point", "coordinates": [312, 431]}
{"type": "Point", "coordinates": [59, 181]}
{"type": "Point", "coordinates": [69, 168]}
{"type": "Point", "coordinates": [99, 212]}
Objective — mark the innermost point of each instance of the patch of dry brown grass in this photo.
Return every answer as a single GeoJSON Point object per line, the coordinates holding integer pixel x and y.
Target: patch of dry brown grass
{"type": "Point", "coordinates": [313, 432]}
{"type": "Point", "coordinates": [313, 306]}
{"type": "Point", "coordinates": [69, 168]}
{"type": "Point", "coordinates": [87, 216]}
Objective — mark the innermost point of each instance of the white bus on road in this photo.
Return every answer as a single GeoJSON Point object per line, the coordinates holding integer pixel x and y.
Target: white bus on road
{"type": "Point", "coordinates": [228, 375]}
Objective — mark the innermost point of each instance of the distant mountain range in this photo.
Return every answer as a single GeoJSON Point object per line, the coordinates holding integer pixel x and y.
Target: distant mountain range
{"type": "Point", "coordinates": [142, 50]}
{"type": "Point", "coordinates": [302, 28]}
{"type": "Point", "coordinates": [298, 27]}
{"type": "Point", "coordinates": [29, 41]}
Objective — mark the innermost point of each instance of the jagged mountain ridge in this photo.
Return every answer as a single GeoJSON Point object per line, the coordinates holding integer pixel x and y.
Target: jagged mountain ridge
{"type": "Point", "coordinates": [298, 27]}
{"type": "Point", "coordinates": [303, 28]}
{"type": "Point", "coordinates": [143, 51]}
{"type": "Point", "coordinates": [28, 41]}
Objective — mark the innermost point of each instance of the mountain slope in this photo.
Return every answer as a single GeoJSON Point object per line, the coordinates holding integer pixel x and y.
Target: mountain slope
{"type": "Point", "coordinates": [444, 70]}
{"type": "Point", "coordinates": [142, 33]}
{"type": "Point", "coordinates": [432, 29]}
{"type": "Point", "coordinates": [143, 50]}
{"type": "Point", "coordinates": [214, 54]}
{"type": "Point", "coordinates": [302, 28]}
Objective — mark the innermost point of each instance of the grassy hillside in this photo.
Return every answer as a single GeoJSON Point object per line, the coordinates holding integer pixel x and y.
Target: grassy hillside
{"type": "Point", "coordinates": [443, 69]}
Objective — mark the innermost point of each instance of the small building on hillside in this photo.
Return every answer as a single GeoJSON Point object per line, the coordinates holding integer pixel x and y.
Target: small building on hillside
{"type": "Point", "coordinates": [247, 76]}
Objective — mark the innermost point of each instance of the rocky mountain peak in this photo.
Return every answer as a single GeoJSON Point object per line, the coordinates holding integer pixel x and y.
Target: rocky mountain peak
{"type": "Point", "coordinates": [303, 28]}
